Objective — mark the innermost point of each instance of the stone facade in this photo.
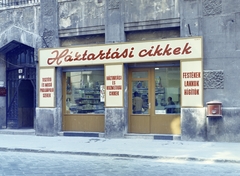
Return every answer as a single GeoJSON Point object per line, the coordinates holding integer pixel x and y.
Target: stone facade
{"type": "Point", "coordinates": [51, 23]}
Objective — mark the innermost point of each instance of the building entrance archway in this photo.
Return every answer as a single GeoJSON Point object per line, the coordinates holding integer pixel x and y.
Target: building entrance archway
{"type": "Point", "coordinates": [21, 87]}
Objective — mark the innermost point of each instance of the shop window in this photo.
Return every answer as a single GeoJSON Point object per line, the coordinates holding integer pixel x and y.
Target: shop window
{"type": "Point", "coordinates": [140, 97]}
{"type": "Point", "coordinates": [167, 90]}
{"type": "Point", "coordinates": [84, 92]}
{"type": "Point", "coordinates": [140, 75]}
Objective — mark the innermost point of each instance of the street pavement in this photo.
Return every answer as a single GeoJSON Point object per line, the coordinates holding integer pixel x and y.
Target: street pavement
{"type": "Point", "coordinates": [131, 148]}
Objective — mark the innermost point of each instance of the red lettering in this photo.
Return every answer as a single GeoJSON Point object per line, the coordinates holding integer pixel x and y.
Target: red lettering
{"type": "Point", "coordinates": [114, 93]}
{"type": "Point", "coordinates": [108, 54]}
{"type": "Point", "coordinates": [84, 55]}
{"type": "Point", "coordinates": [186, 49]}
{"type": "Point", "coordinates": [48, 79]}
{"type": "Point", "coordinates": [101, 55]}
{"type": "Point", "coordinates": [77, 57]}
{"type": "Point", "coordinates": [114, 77]}
{"type": "Point", "coordinates": [58, 56]}
{"type": "Point", "coordinates": [191, 74]}
{"type": "Point", "coordinates": [141, 53]}
{"type": "Point", "coordinates": [46, 95]}
{"type": "Point", "coordinates": [150, 51]}
{"type": "Point", "coordinates": [47, 85]}
{"type": "Point", "coordinates": [124, 53]}
{"type": "Point", "coordinates": [147, 53]}
{"type": "Point", "coordinates": [131, 53]}
{"type": "Point", "coordinates": [114, 87]}
{"type": "Point", "coordinates": [91, 56]}
{"type": "Point", "coordinates": [158, 51]}
{"type": "Point", "coordinates": [176, 51]}
{"type": "Point", "coordinates": [68, 58]}
{"type": "Point", "coordinates": [191, 91]}
{"type": "Point", "coordinates": [191, 83]}
{"type": "Point", "coordinates": [115, 53]}
{"type": "Point", "coordinates": [167, 50]}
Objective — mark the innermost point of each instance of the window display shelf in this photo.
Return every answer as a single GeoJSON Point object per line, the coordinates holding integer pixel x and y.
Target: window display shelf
{"type": "Point", "coordinates": [88, 101]}
{"type": "Point", "coordinates": [89, 110]}
{"type": "Point", "coordinates": [81, 104]}
{"type": "Point", "coordinates": [159, 91]}
{"type": "Point", "coordinates": [83, 98]}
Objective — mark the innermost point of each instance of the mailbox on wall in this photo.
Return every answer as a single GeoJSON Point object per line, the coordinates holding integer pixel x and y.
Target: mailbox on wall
{"type": "Point", "coordinates": [214, 109]}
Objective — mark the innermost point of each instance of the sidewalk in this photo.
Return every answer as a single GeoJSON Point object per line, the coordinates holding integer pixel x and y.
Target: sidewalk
{"type": "Point", "coordinates": [138, 148]}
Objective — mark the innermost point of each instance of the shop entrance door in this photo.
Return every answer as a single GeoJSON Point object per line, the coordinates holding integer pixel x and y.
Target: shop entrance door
{"type": "Point", "coordinates": [139, 101]}
{"type": "Point", "coordinates": [149, 111]}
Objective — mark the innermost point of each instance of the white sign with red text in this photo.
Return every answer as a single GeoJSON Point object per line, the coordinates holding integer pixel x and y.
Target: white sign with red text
{"type": "Point", "coordinates": [46, 87]}
{"type": "Point", "coordinates": [161, 50]}
{"type": "Point", "coordinates": [192, 84]}
{"type": "Point", "coordinates": [114, 85]}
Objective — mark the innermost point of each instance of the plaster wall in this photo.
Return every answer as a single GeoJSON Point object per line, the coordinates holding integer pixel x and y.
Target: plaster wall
{"type": "Point", "coordinates": [225, 128]}
{"type": "Point", "coordinates": [150, 14]}
{"type": "Point", "coordinates": [49, 120]}
{"type": "Point", "coordinates": [94, 16]}
{"type": "Point", "coordinates": [218, 22]}
{"type": "Point", "coordinates": [20, 24]}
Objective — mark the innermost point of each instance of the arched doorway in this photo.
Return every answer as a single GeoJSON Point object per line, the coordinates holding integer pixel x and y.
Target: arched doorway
{"type": "Point", "coordinates": [21, 87]}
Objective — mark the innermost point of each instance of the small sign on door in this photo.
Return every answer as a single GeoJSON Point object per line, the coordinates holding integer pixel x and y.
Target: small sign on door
{"type": "Point", "coordinates": [3, 91]}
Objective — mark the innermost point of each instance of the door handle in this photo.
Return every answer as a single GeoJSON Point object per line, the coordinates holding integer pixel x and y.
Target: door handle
{"type": "Point", "coordinates": [149, 105]}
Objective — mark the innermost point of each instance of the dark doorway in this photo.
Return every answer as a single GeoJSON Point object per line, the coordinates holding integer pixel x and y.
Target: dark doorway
{"type": "Point", "coordinates": [25, 104]}
{"type": "Point", "coordinates": [21, 86]}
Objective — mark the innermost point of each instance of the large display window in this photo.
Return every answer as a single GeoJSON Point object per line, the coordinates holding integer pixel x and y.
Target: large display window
{"type": "Point", "coordinates": [84, 93]}
{"type": "Point", "coordinates": [167, 90]}
{"type": "Point", "coordinates": [166, 85]}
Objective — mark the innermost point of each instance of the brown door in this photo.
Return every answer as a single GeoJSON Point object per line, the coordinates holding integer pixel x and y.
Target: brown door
{"type": "Point", "coordinates": [139, 110]}
{"type": "Point", "coordinates": [149, 111]}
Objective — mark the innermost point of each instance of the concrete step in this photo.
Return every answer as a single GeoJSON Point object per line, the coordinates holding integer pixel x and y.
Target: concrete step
{"type": "Point", "coordinates": [127, 136]}
{"type": "Point", "coordinates": [153, 136]}
{"type": "Point", "coordinates": [81, 134]}
{"type": "Point", "coordinates": [18, 131]}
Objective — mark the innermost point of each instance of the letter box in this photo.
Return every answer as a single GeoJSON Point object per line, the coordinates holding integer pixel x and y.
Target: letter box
{"type": "Point", "coordinates": [214, 109]}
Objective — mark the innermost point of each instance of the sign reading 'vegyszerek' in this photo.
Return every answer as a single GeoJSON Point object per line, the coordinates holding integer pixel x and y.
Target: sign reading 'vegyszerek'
{"type": "Point", "coordinates": [161, 50]}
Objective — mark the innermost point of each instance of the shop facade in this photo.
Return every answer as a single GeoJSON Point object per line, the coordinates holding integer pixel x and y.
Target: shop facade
{"type": "Point", "coordinates": [166, 75]}
{"type": "Point", "coordinates": [55, 56]}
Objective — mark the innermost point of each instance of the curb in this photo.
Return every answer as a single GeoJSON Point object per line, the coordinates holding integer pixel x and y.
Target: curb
{"type": "Point", "coordinates": [163, 158]}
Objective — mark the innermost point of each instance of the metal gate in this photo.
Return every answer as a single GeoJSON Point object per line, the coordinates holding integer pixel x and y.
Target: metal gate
{"type": "Point", "coordinates": [20, 67]}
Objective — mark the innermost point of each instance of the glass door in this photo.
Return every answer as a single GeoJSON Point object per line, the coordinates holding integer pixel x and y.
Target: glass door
{"type": "Point", "coordinates": [165, 115]}
{"type": "Point", "coordinates": [154, 100]}
{"type": "Point", "coordinates": [139, 115]}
